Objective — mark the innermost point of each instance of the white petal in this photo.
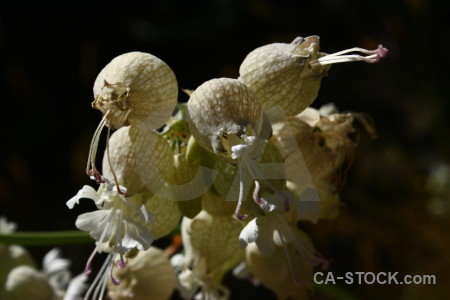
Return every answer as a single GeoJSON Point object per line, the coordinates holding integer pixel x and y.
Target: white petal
{"type": "Point", "coordinates": [310, 116]}
{"type": "Point", "coordinates": [86, 192]}
{"type": "Point", "coordinates": [238, 151]}
{"type": "Point", "coordinates": [95, 223]}
{"type": "Point", "coordinates": [53, 262]}
{"type": "Point", "coordinates": [7, 227]}
{"type": "Point", "coordinates": [241, 271]}
{"type": "Point", "coordinates": [249, 234]}
{"type": "Point", "coordinates": [76, 288]}
{"type": "Point", "coordinates": [186, 284]}
{"type": "Point", "coordinates": [137, 236]}
{"type": "Point", "coordinates": [177, 260]}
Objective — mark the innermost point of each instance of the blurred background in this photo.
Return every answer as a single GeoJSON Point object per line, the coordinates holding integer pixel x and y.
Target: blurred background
{"type": "Point", "coordinates": [396, 203]}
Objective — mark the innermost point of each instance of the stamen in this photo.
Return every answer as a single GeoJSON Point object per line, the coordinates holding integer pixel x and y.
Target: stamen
{"type": "Point", "coordinates": [372, 56]}
{"type": "Point", "coordinates": [96, 175]}
{"type": "Point", "coordinates": [88, 268]}
{"type": "Point", "coordinates": [91, 170]}
{"type": "Point", "coordinates": [111, 276]}
{"type": "Point", "coordinates": [258, 200]}
{"type": "Point", "coordinates": [241, 197]}
{"type": "Point", "coordinates": [103, 289]}
{"type": "Point", "coordinates": [121, 262]}
{"type": "Point", "coordinates": [95, 287]}
{"type": "Point", "coordinates": [256, 173]}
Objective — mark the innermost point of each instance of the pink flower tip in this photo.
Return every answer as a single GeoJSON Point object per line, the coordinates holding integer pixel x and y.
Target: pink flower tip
{"type": "Point", "coordinates": [382, 52]}
{"type": "Point", "coordinates": [121, 264]}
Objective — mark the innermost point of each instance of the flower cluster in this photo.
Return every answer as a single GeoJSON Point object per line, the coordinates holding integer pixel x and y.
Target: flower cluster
{"type": "Point", "coordinates": [238, 167]}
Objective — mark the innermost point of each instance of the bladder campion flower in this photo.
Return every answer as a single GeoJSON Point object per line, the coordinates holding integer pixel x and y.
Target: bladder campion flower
{"type": "Point", "coordinates": [226, 118]}
{"type": "Point", "coordinates": [136, 89]}
{"type": "Point", "coordinates": [287, 76]}
{"type": "Point", "coordinates": [124, 220]}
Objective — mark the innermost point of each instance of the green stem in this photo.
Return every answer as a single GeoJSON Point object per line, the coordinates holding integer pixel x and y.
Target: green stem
{"type": "Point", "coordinates": [51, 238]}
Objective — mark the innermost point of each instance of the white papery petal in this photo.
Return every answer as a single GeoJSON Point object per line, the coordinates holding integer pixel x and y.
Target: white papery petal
{"type": "Point", "coordinates": [241, 271]}
{"type": "Point", "coordinates": [177, 260]}
{"type": "Point", "coordinates": [238, 151]}
{"type": "Point", "coordinates": [52, 262]}
{"type": "Point", "coordinates": [95, 223]}
{"type": "Point", "coordinates": [310, 115]}
{"type": "Point", "coordinates": [76, 288]}
{"type": "Point", "coordinates": [249, 234]}
{"type": "Point", "coordinates": [138, 236]}
{"type": "Point", "coordinates": [85, 192]}
{"type": "Point", "coordinates": [7, 227]}
{"type": "Point", "coordinates": [186, 284]}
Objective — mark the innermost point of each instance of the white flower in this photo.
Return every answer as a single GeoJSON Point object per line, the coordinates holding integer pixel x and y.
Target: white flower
{"type": "Point", "coordinates": [76, 288]}
{"type": "Point", "coordinates": [86, 192]}
{"type": "Point", "coordinates": [7, 227]}
{"type": "Point", "coordinates": [264, 231]}
{"type": "Point", "coordinates": [120, 224]}
{"type": "Point", "coordinates": [272, 229]}
{"type": "Point", "coordinates": [57, 270]}
{"type": "Point", "coordinates": [246, 154]}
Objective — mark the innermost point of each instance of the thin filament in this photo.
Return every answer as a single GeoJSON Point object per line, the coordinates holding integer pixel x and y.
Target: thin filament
{"type": "Point", "coordinates": [91, 170]}
{"type": "Point", "coordinates": [121, 262]}
{"type": "Point", "coordinates": [254, 171]}
{"type": "Point", "coordinates": [372, 56]}
{"type": "Point", "coordinates": [258, 200]}
{"type": "Point", "coordinates": [241, 197]}
{"type": "Point", "coordinates": [88, 268]}
{"type": "Point", "coordinates": [95, 283]}
{"type": "Point", "coordinates": [101, 287]}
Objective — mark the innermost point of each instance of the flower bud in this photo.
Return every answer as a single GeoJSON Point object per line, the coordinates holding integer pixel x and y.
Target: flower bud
{"type": "Point", "coordinates": [286, 77]}
{"type": "Point", "coordinates": [148, 276]}
{"type": "Point", "coordinates": [222, 108]}
{"type": "Point", "coordinates": [141, 159]}
{"type": "Point", "coordinates": [166, 215]}
{"type": "Point", "coordinates": [206, 235]}
{"type": "Point", "coordinates": [185, 192]}
{"type": "Point", "coordinates": [279, 74]}
{"type": "Point", "coordinates": [136, 88]}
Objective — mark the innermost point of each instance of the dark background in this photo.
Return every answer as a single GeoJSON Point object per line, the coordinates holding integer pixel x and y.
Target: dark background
{"type": "Point", "coordinates": [396, 202]}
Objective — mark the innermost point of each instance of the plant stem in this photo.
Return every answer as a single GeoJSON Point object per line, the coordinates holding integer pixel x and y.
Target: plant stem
{"type": "Point", "coordinates": [46, 238]}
